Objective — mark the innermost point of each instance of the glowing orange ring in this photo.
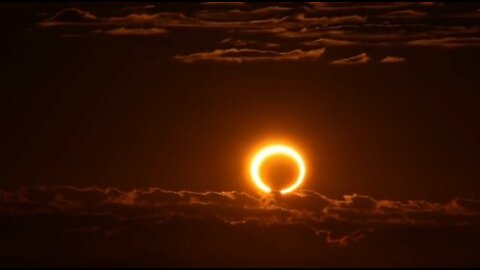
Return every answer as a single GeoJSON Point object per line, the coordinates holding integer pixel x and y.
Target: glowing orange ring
{"type": "Point", "coordinates": [268, 151]}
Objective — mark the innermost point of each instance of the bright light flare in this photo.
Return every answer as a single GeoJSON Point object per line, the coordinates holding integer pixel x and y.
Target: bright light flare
{"type": "Point", "coordinates": [268, 152]}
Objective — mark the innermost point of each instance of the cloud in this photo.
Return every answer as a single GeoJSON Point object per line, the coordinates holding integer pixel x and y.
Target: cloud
{"type": "Point", "coordinates": [270, 10]}
{"type": "Point", "coordinates": [393, 59]}
{"type": "Point", "coordinates": [240, 14]}
{"type": "Point", "coordinates": [447, 42]}
{"type": "Point", "coordinates": [69, 16]}
{"type": "Point", "coordinates": [340, 222]}
{"type": "Point", "coordinates": [122, 31]}
{"type": "Point", "coordinates": [203, 19]}
{"type": "Point", "coordinates": [329, 42]}
{"type": "Point", "coordinates": [137, 8]}
{"type": "Point", "coordinates": [249, 32]}
{"type": "Point", "coordinates": [224, 3]}
{"type": "Point", "coordinates": [350, 19]}
{"type": "Point", "coordinates": [404, 14]}
{"type": "Point", "coordinates": [427, 4]}
{"type": "Point", "coordinates": [375, 34]}
{"type": "Point", "coordinates": [464, 205]}
{"type": "Point", "coordinates": [357, 59]}
{"type": "Point", "coordinates": [237, 43]}
{"type": "Point", "coordinates": [350, 6]}
{"type": "Point", "coordinates": [251, 55]}
{"type": "Point", "coordinates": [92, 226]}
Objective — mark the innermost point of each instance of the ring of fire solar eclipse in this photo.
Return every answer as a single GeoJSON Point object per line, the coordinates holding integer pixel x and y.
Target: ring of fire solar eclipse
{"type": "Point", "coordinates": [261, 156]}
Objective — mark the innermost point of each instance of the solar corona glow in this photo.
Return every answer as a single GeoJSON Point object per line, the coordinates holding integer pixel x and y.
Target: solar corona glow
{"type": "Point", "coordinates": [264, 154]}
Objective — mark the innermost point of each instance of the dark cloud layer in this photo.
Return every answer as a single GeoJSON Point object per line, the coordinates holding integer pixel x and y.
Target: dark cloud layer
{"type": "Point", "coordinates": [154, 216]}
{"type": "Point", "coordinates": [301, 208]}
{"type": "Point", "coordinates": [290, 26]}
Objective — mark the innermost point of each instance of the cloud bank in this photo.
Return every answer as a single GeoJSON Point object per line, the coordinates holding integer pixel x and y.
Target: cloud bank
{"type": "Point", "coordinates": [322, 215]}
{"type": "Point", "coordinates": [290, 27]}
{"type": "Point", "coordinates": [91, 226]}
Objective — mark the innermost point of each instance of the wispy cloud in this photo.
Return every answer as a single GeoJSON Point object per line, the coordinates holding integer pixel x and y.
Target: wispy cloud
{"type": "Point", "coordinates": [79, 17]}
{"type": "Point", "coordinates": [251, 55]}
{"type": "Point", "coordinates": [447, 42]}
{"type": "Point", "coordinates": [357, 59]}
{"type": "Point", "coordinates": [393, 60]}
{"type": "Point", "coordinates": [241, 15]}
{"type": "Point", "coordinates": [329, 42]}
{"type": "Point", "coordinates": [238, 43]}
{"type": "Point", "coordinates": [404, 14]}
{"type": "Point", "coordinates": [360, 6]}
{"type": "Point", "coordinates": [69, 16]}
{"type": "Point", "coordinates": [224, 3]}
{"type": "Point", "coordinates": [122, 31]}
{"type": "Point", "coordinates": [247, 33]}
{"type": "Point", "coordinates": [350, 19]}
{"type": "Point", "coordinates": [139, 7]}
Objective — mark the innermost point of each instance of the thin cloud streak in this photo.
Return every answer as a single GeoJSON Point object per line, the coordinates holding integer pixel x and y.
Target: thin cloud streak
{"type": "Point", "coordinates": [251, 55]}
{"type": "Point", "coordinates": [362, 58]}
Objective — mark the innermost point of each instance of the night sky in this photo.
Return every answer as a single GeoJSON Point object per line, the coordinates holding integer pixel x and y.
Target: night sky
{"type": "Point", "coordinates": [127, 129]}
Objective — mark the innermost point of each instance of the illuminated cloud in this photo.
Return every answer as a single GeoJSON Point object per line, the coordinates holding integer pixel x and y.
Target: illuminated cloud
{"type": "Point", "coordinates": [247, 33]}
{"type": "Point", "coordinates": [69, 16]}
{"type": "Point", "coordinates": [338, 222]}
{"type": "Point", "coordinates": [350, 6]}
{"type": "Point", "coordinates": [224, 3]}
{"type": "Point", "coordinates": [428, 4]}
{"type": "Point", "coordinates": [237, 43]}
{"type": "Point", "coordinates": [251, 55]}
{"type": "Point", "coordinates": [242, 16]}
{"type": "Point", "coordinates": [350, 19]}
{"type": "Point", "coordinates": [122, 31]}
{"type": "Point", "coordinates": [357, 59]}
{"type": "Point", "coordinates": [139, 8]}
{"type": "Point", "coordinates": [270, 10]}
{"type": "Point", "coordinates": [329, 42]}
{"type": "Point", "coordinates": [393, 59]}
{"type": "Point", "coordinates": [404, 14]}
{"type": "Point", "coordinates": [79, 17]}
{"type": "Point", "coordinates": [448, 42]}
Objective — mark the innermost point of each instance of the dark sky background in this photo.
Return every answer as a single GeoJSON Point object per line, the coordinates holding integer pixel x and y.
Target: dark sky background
{"type": "Point", "coordinates": [125, 127]}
